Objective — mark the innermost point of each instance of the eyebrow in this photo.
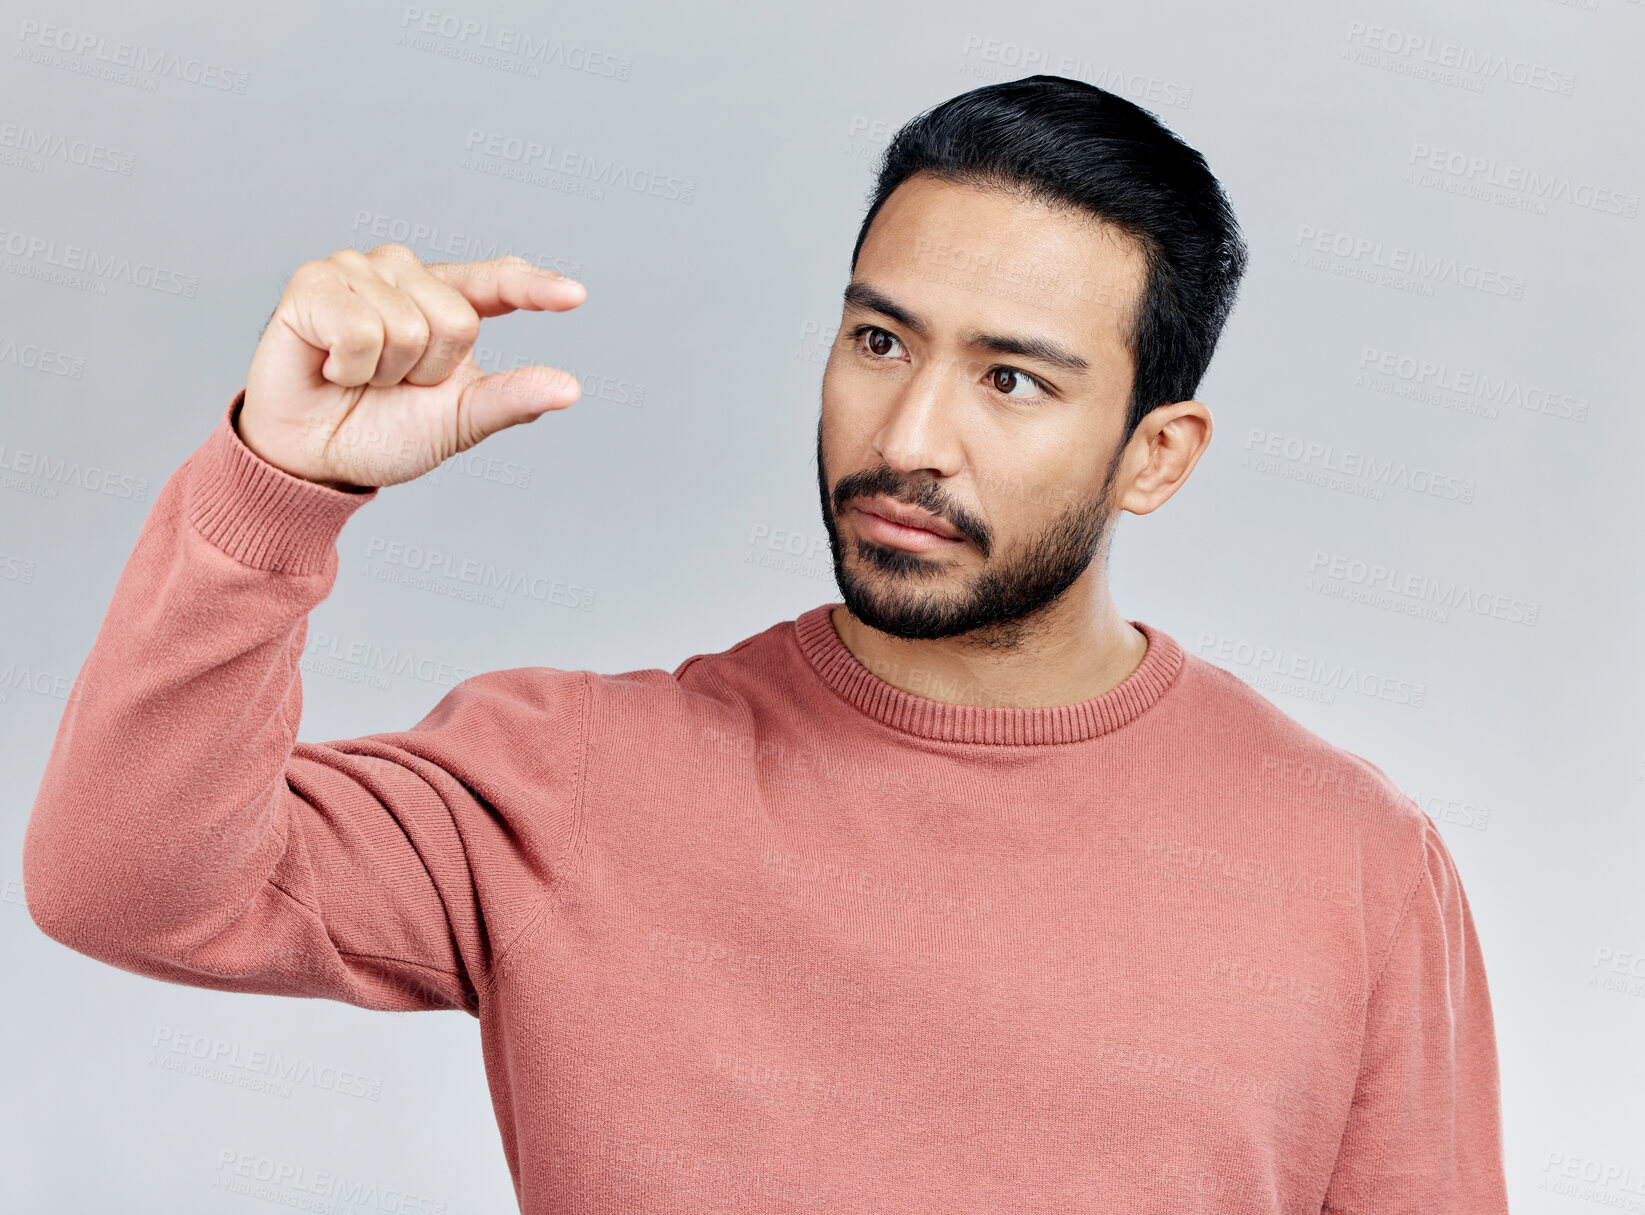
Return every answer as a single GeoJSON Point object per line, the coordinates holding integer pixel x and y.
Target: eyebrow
{"type": "Point", "coordinates": [861, 295]}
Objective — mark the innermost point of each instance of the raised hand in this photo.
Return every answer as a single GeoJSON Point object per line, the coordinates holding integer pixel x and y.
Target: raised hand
{"type": "Point", "coordinates": [364, 376]}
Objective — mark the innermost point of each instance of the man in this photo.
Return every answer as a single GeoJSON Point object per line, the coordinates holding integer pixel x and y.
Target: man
{"type": "Point", "coordinates": [965, 894]}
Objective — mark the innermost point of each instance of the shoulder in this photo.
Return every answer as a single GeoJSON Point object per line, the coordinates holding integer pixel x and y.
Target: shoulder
{"type": "Point", "coordinates": [526, 704]}
{"type": "Point", "coordinates": [710, 685]}
{"type": "Point", "coordinates": [1292, 761]}
{"type": "Point", "coordinates": [763, 646]}
{"type": "Point", "coordinates": [507, 694]}
{"type": "Point", "coordinates": [1289, 781]}
{"type": "Point", "coordinates": [1321, 803]}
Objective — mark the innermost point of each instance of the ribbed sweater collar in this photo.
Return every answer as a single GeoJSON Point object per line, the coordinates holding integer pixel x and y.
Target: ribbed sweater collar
{"type": "Point", "coordinates": [840, 669]}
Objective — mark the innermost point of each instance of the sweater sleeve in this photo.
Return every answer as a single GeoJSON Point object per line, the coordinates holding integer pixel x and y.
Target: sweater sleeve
{"type": "Point", "coordinates": [181, 831]}
{"type": "Point", "coordinates": [1424, 1129]}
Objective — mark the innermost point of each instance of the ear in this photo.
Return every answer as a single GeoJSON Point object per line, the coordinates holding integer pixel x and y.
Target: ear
{"type": "Point", "coordinates": [1163, 450]}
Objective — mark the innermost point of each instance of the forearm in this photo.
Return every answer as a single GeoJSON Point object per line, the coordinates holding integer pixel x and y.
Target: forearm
{"type": "Point", "coordinates": [161, 810]}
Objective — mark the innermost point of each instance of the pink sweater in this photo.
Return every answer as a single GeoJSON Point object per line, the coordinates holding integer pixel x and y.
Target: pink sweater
{"type": "Point", "coordinates": [768, 933]}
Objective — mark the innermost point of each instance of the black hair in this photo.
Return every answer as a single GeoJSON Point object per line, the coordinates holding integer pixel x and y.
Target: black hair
{"type": "Point", "coordinates": [1071, 144]}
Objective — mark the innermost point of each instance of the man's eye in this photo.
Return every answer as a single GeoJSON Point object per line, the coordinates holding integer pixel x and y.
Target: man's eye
{"type": "Point", "coordinates": [1005, 379]}
{"type": "Point", "coordinates": [876, 343]}
{"type": "Point", "coordinates": [879, 343]}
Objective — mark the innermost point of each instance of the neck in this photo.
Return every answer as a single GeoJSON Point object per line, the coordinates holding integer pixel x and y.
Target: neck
{"type": "Point", "coordinates": [1076, 649]}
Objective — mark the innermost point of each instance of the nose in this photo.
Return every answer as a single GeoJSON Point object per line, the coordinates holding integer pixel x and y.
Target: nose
{"type": "Point", "coordinates": [920, 433]}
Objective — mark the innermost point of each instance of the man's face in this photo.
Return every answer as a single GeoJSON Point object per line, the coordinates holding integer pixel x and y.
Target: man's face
{"type": "Point", "coordinates": [979, 385]}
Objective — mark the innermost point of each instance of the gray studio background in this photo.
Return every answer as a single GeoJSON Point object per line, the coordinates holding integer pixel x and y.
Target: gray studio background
{"type": "Point", "coordinates": [1496, 147]}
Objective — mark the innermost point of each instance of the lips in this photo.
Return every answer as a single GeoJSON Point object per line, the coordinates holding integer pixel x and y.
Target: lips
{"type": "Point", "coordinates": [908, 516]}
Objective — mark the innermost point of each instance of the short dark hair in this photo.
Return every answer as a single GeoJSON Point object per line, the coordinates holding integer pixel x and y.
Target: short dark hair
{"type": "Point", "coordinates": [1069, 143]}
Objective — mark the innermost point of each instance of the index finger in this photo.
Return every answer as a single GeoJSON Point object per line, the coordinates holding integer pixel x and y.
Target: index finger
{"type": "Point", "coordinates": [504, 284]}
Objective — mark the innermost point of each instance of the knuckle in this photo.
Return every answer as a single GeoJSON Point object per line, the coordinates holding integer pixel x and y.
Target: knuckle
{"type": "Point", "coordinates": [310, 275]}
{"type": "Point", "coordinates": [360, 337]}
{"type": "Point", "coordinates": [461, 325]}
{"type": "Point", "coordinates": [407, 325]}
{"type": "Point", "coordinates": [406, 341]}
{"type": "Point", "coordinates": [394, 251]}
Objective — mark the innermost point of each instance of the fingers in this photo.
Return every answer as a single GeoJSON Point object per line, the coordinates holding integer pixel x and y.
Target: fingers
{"type": "Point", "coordinates": [406, 330]}
{"type": "Point", "coordinates": [504, 284]}
{"type": "Point", "coordinates": [453, 324]}
{"type": "Point", "coordinates": [385, 317]}
{"type": "Point", "coordinates": [329, 316]}
{"type": "Point", "coordinates": [507, 398]}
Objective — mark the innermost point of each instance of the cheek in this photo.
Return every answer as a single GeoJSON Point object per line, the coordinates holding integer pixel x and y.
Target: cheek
{"type": "Point", "coordinates": [1027, 492]}
{"type": "Point", "coordinates": [851, 403]}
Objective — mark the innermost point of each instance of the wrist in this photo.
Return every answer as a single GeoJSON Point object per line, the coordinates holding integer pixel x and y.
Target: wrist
{"type": "Point", "coordinates": [234, 428]}
{"type": "Point", "coordinates": [258, 513]}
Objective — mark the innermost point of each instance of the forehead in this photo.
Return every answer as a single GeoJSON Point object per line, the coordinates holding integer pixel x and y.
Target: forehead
{"type": "Point", "coordinates": [969, 254]}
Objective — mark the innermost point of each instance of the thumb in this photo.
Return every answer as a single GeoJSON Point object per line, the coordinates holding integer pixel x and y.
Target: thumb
{"type": "Point", "coordinates": [489, 403]}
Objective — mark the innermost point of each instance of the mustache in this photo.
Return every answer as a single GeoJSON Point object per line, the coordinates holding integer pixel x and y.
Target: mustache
{"type": "Point", "coordinates": [923, 494]}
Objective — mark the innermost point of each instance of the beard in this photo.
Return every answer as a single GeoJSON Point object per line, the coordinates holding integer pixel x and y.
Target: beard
{"type": "Point", "coordinates": [999, 606]}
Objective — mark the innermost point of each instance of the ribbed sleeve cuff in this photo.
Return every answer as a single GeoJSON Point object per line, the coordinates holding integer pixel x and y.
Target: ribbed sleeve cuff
{"type": "Point", "coordinates": [260, 515]}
